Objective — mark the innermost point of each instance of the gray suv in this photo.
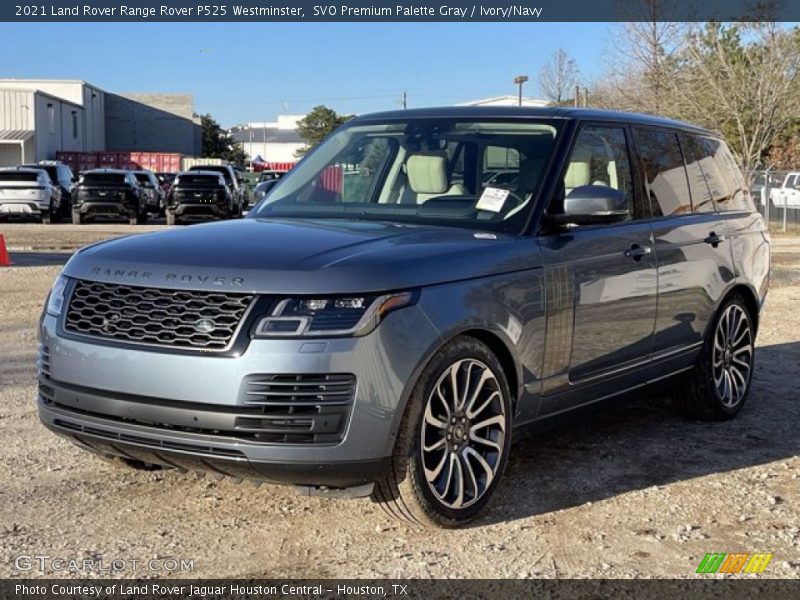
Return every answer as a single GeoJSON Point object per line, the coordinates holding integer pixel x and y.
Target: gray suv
{"type": "Point", "coordinates": [393, 314]}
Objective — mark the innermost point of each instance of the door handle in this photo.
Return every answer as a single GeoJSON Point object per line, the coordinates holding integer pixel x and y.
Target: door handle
{"type": "Point", "coordinates": [636, 252]}
{"type": "Point", "coordinates": [714, 239]}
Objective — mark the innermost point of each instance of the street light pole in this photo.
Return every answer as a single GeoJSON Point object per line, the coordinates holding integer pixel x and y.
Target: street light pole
{"type": "Point", "coordinates": [519, 80]}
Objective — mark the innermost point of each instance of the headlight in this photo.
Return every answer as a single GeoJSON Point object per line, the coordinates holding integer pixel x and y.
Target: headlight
{"type": "Point", "coordinates": [55, 301]}
{"type": "Point", "coordinates": [339, 316]}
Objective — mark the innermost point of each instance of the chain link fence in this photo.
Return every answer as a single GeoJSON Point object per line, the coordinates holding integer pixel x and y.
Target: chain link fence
{"type": "Point", "coordinates": [777, 197]}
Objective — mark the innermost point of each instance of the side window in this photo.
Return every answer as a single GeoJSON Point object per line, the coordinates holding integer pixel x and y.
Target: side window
{"type": "Point", "coordinates": [665, 172]}
{"type": "Point", "coordinates": [702, 200]}
{"type": "Point", "coordinates": [738, 196]}
{"type": "Point", "coordinates": [600, 157]}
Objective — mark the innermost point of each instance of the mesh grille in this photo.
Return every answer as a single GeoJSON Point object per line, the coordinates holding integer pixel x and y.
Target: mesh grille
{"type": "Point", "coordinates": [172, 318]}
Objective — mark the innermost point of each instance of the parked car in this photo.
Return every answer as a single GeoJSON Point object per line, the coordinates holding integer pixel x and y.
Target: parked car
{"type": "Point", "coordinates": [29, 192]}
{"type": "Point", "coordinates": [151, 188]}
{"type": "Point", "coordinates": [383, 324]}
{"type": "Point", "coordinates": [62, 177]}
{"type": "Point", "coordinates": [200, 195]}
{"type": "Point", "coordinates": [232, 179]}
{"type": "Point", "coordinates": [788, 192]}
{"type": "Point", "coordinates": [108, 193]}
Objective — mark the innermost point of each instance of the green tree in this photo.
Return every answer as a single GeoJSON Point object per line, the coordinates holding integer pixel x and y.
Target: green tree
{"type": "Point", "coordinates": [218, 143]}
{"type": "Point", "coordinates": [317, 125]}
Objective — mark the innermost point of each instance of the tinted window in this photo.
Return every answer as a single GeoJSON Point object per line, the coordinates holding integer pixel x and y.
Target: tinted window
{"type": "Point", "coordinates": [105, 178]}
{"type": "Point", "coordinates": [600, 157]}
{"type": "Point", "coordinates": [18, 176]}
{"type": "Point", "coordinates": [702, 200]}
{"type": "Point", "coordinates": [723, 176]}
{"type": "Point", "coordinates": [664, 171]}
{"type": "Point", "coordinates": [197, 180]}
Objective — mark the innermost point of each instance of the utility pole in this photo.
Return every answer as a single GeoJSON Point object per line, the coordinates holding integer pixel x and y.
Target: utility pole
{"type": "Point", "coordinates": [585, 97]}
{"type": "Point", "coordinates": [405, 101]}
{"type": "Point", "coordinates": [577, 96]}
{"type": "Point", "coordinates": [520, 80]}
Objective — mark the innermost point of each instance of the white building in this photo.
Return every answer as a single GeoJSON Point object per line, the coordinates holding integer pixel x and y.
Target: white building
{"type": "Point", "coordinates": [274, 142]}
{"type": "Point", "coordinates": [508, 100]}
{"type": "Point", "coordinates": [41, 116]}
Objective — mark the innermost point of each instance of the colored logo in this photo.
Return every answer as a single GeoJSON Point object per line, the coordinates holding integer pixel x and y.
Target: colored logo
{"type": "Point", "coordinates": [743, 562]}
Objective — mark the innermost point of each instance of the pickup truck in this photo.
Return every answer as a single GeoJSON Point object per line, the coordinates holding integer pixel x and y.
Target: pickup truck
{"type": "Point", "coordinates": [788, 194]}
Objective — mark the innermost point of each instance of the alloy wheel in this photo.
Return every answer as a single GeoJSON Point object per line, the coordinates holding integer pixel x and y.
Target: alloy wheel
{"type": "Point", "coordinates": [732, 355]}
{"type": "Point", "coordinates": [463, 433]}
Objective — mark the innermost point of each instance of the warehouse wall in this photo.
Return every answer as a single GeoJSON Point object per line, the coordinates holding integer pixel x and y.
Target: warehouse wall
{"type": "Point", "coordinates": [151, 123]}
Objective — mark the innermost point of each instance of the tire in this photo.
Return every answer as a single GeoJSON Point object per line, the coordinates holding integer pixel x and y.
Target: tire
{"type": "Point", "coordinates": [463, 461]}
{"type": "Point", "coordinates": [172, 219]}
{"type": "Point", "coordinates": [46, 219]}
{"type": "Point", "coordinates": [719, 385]}
{"type": "Point", "coordinates": [77, 218]}
{"type": "Point", "coordinates": [133, 218]}
{"type": "Point", "coordinates": [141, 218]}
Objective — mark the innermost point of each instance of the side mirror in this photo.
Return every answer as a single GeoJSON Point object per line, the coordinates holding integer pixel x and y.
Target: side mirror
{"type": "Point", "coordinates": [593, 204]}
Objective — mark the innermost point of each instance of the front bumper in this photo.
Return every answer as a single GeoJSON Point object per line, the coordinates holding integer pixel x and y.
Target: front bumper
{"type": "Point", "coordinates": [180, 409]}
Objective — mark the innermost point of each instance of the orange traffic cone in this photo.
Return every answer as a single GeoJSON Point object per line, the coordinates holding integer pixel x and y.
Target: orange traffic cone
{"type": "Point", "coordinates": [5, 260]}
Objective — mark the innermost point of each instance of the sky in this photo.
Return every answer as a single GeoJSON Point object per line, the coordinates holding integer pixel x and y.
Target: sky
{"type": "Point", "coordinates": [252, 72]}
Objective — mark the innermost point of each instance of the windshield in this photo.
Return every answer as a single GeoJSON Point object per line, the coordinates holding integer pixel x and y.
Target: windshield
{"type": "Point", "coordinates": [479, 174]}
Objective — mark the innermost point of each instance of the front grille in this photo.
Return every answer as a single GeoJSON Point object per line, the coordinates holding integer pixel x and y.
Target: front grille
{"type": "Point", "coordinates": [153, 316]}
{"type": "Point", "coordinates": [298, 408]}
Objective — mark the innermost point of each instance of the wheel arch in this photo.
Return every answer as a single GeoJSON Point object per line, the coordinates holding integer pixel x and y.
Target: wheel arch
{"type": "Point", "coordinates": [750, 297]}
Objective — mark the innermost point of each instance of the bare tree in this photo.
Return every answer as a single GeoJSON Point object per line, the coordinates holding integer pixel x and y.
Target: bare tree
{"type": "Point", "coordinates": [558, 77]}
{"type": "Point", "coordinates": [641, 58]}
{"type": "Point", "coordinates": [742, 79]}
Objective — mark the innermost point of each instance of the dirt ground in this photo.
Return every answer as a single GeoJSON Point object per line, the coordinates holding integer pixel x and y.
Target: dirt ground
{"type": "Point", "coordinates": [632, 492]}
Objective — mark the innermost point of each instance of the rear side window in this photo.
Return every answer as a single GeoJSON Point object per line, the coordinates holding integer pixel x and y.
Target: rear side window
{"type": "Point", "coordinates": [600, 157]}
{"type": "Point", "coordinates": [723, 174]}
{"type": "Point", "coordinates": [702, 199]}
{"type": "Point", "coordinates": [665, 172]}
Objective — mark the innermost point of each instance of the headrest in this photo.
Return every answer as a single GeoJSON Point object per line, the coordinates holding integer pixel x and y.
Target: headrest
{"type": "Point", "coordinates": [578, 174]}
{"type": "Point", "coordinates": [427, 172]}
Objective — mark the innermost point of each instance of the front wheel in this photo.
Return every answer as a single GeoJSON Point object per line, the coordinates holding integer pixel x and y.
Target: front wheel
{"type": "Point", "coordinates": [719, 385]}
{"type": "Point", "coordinates": [453, 441]}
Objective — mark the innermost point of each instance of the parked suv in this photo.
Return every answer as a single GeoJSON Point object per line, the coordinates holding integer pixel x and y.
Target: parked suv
{"type": "Point", "coordinates": [151, 189]}
{"type": "Point", "coordinates": [108, 193]}
{"type": "Point", "coordinates": [233, 180]}
{"type": "Point", "coordinates": [385, 322]}
{"type": "Point", "coordinates": [29, 192]}
{"type": "Point", "coordinates": [61, 176]}
{"type": "Point", "coordinates": [199, 195]}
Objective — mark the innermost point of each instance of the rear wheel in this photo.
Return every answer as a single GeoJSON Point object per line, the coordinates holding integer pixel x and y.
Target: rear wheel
{"type": "Point", "coordinates": [453, 442]}
{"type": "Point", "coordinates": [719, 385]}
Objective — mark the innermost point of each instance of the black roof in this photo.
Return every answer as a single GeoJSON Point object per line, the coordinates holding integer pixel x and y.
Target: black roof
{"type": "Point", "coordinates": [521, 112]}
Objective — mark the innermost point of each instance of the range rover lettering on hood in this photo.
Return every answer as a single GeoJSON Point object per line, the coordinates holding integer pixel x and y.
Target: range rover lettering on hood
{"type": "Point", "coordinates": [169, 277]}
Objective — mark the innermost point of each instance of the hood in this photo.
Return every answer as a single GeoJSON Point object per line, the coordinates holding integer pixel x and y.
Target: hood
{"type": "Point", "coordinates": [302, 257]}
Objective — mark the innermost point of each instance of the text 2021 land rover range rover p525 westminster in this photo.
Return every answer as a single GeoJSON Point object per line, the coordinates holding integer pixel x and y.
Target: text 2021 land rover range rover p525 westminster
{"type": "Point", "coordinates": [392, 314]}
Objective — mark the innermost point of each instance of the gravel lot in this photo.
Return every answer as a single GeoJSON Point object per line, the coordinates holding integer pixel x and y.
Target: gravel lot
{"type": "Point", "coordinates": [633, 492]}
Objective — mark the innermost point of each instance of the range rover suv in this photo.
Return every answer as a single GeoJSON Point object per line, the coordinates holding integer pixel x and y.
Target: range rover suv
{"type": "Point", "coordinates": [29, 192]}
{"type": "Point", "coordinates": [385, 322]}
{"type": "Point", "coordinates": [199, 195]}
{"type": "Point", "coordinates": [108, 193]}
